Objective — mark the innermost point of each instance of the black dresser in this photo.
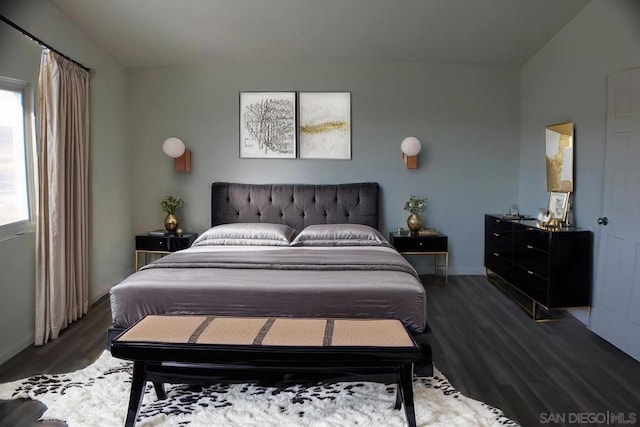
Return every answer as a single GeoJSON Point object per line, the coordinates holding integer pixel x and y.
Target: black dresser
{"type": "Point", "coordinates": [552, 268]}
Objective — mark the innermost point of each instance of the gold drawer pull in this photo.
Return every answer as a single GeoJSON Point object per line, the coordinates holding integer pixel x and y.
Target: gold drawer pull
{"type": "Point", "coordinates": [420, 244]}
{"type": "Point", "coordinates": [529, 247]}
{"type": "Point", "coordinates": [495, 254]}
{"type": "Point", "coordinates": [530, 229]}
{"type": "Point", "coordinates": [497, 220]}
{"type": "Point", "coordinates": [496, 234]}
{"type": "Point", "coordinates": [530, 272]}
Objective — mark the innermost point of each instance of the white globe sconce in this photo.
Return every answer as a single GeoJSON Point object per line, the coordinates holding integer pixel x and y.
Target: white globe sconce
{"type": "Point", "coordinates": [410, 148]}
{"type": "Point", "coordinates": [174, 147]}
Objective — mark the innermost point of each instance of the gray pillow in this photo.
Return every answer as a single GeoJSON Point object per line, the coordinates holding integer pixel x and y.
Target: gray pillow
{"type": "Point", "coordinates": [339, 235]}
{"type": "Point", "coordinates": [247, 234]}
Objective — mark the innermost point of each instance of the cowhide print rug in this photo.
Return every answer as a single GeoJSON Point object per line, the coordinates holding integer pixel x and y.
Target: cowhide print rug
{"type": "Point", "coordinates": [98, 396]}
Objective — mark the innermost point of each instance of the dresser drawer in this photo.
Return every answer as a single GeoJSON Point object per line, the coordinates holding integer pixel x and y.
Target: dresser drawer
{"type": "Point", "coordinates": [531, 258]}
{"type": "Point", "coordinates": [495, 225]}
{"type": "Point", "coordinates": [498, 264]}
{"type": "Point", "coordinates": [532, 236]}
{"type": "Point", "coordinates": [494, 242]}
{"type": "Point", "coordinates": [535, 286]}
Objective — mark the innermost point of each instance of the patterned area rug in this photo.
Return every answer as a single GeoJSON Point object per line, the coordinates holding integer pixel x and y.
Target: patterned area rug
{"type": "Point", "coordinates": [98, 396]}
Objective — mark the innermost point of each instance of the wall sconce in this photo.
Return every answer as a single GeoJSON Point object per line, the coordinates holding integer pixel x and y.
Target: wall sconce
{"type": "Point", "coordinates": [174, 147]}
{"type": "Point", "coordinates": [410, 148]}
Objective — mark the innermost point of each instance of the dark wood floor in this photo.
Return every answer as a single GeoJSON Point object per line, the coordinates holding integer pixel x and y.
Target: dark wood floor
{"type": "Point", "coordinates": [482, 341]}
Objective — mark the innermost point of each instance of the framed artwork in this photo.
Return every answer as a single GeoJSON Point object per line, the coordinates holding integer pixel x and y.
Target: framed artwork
{"type": "Point", "coordinates": [558, 205]}
{"type": "Point", "coordinates": [559, 157]}
{"type": "Point", "coordinates": [325, 125]}
{"type": "Point", "coordinates": [268, 125]}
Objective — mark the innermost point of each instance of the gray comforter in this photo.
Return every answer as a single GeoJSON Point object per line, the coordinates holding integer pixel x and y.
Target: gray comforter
{"type": "Point", "coordinates": [364, 282]}
{"type": "Point", "coordinates": [296, 258]}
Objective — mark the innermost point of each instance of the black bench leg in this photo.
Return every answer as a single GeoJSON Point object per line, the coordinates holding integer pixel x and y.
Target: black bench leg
{"type": "Point", "coordinates": [160, 393]}
{"type": "Point", "coordinates": [137, 389]}
{"type": "Point", "coordinates": [406, 383]}
{"type": "Point", "coordinates": [398, 404]}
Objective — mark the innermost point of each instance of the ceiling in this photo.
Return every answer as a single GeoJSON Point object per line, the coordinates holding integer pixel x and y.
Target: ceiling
{"type": "Point", "coordinates": [141, 33]}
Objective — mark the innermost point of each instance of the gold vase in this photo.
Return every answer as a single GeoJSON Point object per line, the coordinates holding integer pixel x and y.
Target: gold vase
{"type": "Point", "coordinates": [414, 222]}
{"type": "Point", "coordinates": [171, 223]}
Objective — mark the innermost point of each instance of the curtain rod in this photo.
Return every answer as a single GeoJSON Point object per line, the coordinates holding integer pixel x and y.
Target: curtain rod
{"type": "Point", "coordinates": [40, 42]}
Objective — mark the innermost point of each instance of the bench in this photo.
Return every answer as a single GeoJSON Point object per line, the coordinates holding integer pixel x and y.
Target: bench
{"type": "Point", "coordinates": [183, 348]}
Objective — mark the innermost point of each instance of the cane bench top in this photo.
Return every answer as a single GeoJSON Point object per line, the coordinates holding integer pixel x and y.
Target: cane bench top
{"type": "Point", "coordinates": [268, 331]}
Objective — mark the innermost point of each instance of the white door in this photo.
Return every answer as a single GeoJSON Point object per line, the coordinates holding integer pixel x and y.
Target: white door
{"type": "Point", "coordinates": [616, 311]}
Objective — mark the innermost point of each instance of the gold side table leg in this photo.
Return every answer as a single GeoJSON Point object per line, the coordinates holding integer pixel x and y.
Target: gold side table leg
{"type": "Point", "coordinates": [435, 264]}
{"type": "Point", "coordinates": [446, 268]}
{"type": "Point", "coordinates": [135, 267]}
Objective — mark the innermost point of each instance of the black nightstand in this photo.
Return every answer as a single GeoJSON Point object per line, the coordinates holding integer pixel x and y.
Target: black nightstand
{"type": "Point", "coordinates": [433, 244]}
{"type": "Point", "coordinates": [161, 245]}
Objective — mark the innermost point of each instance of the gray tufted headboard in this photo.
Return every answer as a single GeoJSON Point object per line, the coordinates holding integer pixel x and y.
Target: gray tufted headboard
{"type": "Point", "coordinates": [296, 205]}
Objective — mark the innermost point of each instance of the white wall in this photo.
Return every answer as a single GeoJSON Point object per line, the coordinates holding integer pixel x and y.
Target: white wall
{"type": "Point", "coordinates": [566, 81]}
{"type": "Point", "coordinates": [467, 117]}
{"type": "Point", "coordinates": [112, 246]}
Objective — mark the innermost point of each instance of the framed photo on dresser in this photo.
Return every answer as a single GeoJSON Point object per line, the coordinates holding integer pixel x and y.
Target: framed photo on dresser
{"type": "Point", "coordinates": [559, 205]}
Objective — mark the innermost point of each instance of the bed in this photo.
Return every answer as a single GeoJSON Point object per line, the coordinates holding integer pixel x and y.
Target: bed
{"type": "Point", "coordinates": [283, 250]}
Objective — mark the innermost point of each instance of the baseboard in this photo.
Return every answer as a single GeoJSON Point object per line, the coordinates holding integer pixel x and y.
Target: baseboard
{"type": "Point", "coordinates": [16, 348]}
{"type": "Point", "coordinates": [581, 314]}
{"type": "Point", "coordinates": [105, 291]}
{"type": "Point", "coordinates": [98, 297]}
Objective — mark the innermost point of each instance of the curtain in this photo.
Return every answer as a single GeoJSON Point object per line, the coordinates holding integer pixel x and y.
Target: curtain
{"type": "Point", "coordinates": [62, 230]}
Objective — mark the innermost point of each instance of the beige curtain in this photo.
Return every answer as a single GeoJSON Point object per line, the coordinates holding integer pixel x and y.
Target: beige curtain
{"type": "Point", "coordinates": [62, 232]}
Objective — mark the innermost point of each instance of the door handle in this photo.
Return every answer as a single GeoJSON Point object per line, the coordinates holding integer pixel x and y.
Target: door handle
{"type": "Point", "coordinates": [603, 220]}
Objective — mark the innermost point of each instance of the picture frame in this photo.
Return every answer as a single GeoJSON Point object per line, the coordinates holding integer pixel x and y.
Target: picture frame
{"type": "Point", "coordinates": [325, 125]}
{"type": "Point", "coordinates": [559, 205]}
{"type": "Point", "coordinates": [268, 125]}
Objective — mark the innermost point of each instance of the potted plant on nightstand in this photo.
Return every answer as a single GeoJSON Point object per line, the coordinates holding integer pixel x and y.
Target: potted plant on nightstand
{"type": "Point", "coordinates": [415, 205]}
{"type": "Point", "coordinates": [169, 205]}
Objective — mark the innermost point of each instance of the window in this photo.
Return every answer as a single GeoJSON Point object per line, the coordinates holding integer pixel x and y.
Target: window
{"type": "Point", "coordinates": [16, 171]}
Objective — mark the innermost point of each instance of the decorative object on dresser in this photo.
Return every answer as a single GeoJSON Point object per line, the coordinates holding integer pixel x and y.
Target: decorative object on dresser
{"type": "Point", "coordinates": [558, 208]}
{"type": "Point", "coordinates": [169, 205]}
{"type": "Point", "coordinates": [543, 217]}
{"type": "Point", "coordinates": [559, 155]}
{"type": "Point", "coordinates": [427, 242]}
{"type": "Point", "coordinates": [268, 125]}
{"type": "Point", "coordinates": [160, 244]}
{"type": "Point", "coordinates": [559, 161]}
{"type": "Point", "coordinates": [415, 205]}
{"type": "Point", "coordinates": [410, 148]}
{"type": "Point", "coordinates": [174, 147]}
{"type": "Point", "coordinates": [542, 269]}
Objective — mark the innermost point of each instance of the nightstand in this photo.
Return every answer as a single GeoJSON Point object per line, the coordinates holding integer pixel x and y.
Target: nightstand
{"type": "Point", "coordinates": [433, 244]}
{"type": "Point", "coordinates": [161, 245]}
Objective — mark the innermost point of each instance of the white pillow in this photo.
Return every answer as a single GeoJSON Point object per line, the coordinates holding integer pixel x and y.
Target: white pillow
{"type": "Point", "coordinates": [339, 235]}
{"type": "Point", "coordinates": [247, 234]}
